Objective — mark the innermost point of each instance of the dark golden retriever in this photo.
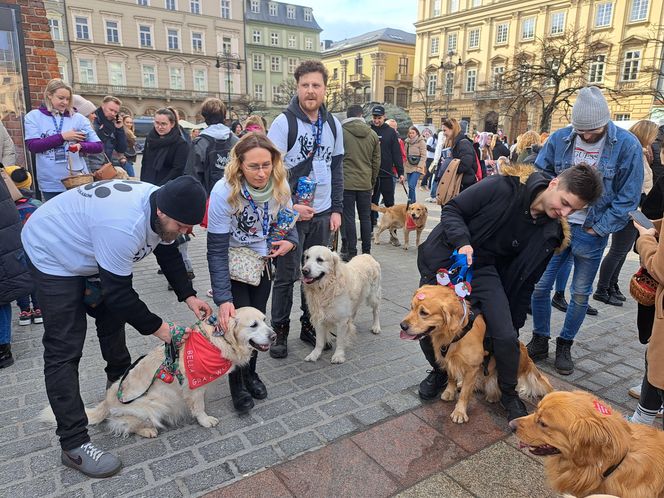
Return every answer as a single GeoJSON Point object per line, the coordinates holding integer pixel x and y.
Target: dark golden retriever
{"type": "Point", "coordinates": [591, 448]}
{"type": "Point", "coordinates": [397, 217]}
{"type": "Point", "coordinates": [438, 311]}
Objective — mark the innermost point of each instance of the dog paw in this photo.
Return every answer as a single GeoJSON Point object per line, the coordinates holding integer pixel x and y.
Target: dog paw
{"type": "Point", "coordinates": [448, 395]}
{"type": "Point", "coordinates": [147, 432]}
{"type": "Point", "coordinates": [375, 330]}
{"type": "Point", "coordinates": [338, 358]}
{"type": "Point", "coordinates": [207, 420]}
{"type": "Point", "coordinates": [459, 416]}
{"type": "Point", "coordinates": [313, 356]}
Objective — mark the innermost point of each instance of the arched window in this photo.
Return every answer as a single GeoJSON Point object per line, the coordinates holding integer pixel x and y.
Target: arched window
{"type": "Point", "coordinates": [389, 95]}
{"type": "Point", "coordinates": [403, 97]}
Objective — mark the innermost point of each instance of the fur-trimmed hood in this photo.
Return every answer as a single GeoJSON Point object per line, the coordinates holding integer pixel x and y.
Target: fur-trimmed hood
{"type": "Point", "coordinates": [523, 172]}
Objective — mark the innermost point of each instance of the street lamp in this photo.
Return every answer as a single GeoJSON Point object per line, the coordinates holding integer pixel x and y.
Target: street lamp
{"type": "Point", "coordinates": [229, 62]}
{"type": "Point", "coordinates": [450, 69]}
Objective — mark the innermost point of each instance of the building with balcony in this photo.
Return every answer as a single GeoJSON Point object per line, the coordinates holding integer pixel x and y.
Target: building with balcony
{"type": "Point", "coordinates": [278, 37]}
{"type": "Point", "coordinates": [156, 53]}
{"type": "Point", "coordinates": [373, 67]}
{"type": "Point", "coordinates": [57, 23]}
{"type": "Point", "coordinates": [465, 49]}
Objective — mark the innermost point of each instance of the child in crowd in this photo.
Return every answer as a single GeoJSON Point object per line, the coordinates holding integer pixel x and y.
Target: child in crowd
{"type": "Point", "coordinates": [26, 205]}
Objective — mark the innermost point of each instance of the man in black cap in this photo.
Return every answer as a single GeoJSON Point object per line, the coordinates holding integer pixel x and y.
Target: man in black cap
{"type": "Point", "coordinates": [390, 162]}
{"type": "Point", "coordinates": [82, 246]}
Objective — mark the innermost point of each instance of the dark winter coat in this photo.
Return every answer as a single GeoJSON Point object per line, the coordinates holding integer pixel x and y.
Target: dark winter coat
{"type": "Point", "coordinates": [164, 157]}
{"type": "Point", "coordinates": [463, 151]}
{"type": "Point", "coordinates": [481, 212]}
{"type": "Point", "coordinates": [390, 151]}
{"type": "Point", "coordinates": [15, 279]}
{"type": "Point", "coordinates": [114, 139]}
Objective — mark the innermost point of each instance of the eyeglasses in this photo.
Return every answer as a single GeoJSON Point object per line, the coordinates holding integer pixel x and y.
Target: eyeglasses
{"type": "Point", "coordinates": [257, 167]}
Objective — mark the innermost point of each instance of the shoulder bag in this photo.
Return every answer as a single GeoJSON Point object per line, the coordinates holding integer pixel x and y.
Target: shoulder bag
{"type": "Point", "coordinates": [245, 265]}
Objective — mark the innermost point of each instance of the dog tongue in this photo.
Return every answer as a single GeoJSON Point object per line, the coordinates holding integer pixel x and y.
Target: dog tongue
{"type": "Point", "coordinates": [407, 337]}
{"type": "Point", "coordinates": [307, 280]}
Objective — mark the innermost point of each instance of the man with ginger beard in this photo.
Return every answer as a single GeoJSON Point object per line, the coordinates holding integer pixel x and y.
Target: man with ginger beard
{"type": "Point", "coordinates": [81, 247]}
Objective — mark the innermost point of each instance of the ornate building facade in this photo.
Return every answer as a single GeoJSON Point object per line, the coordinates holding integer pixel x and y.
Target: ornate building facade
{"type": "Point", "coordinates": [465, 47]}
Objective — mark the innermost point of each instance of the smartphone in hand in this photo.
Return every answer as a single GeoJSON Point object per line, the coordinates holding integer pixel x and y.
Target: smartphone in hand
{"type": "Point", "coordinates": [641, 219]}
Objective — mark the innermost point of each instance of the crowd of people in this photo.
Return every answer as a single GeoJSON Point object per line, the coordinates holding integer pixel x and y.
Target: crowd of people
{"type": "Point", "coordinates": [523, 217]}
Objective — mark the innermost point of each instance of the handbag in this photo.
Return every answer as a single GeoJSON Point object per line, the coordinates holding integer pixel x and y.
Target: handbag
{"type": "Point", "coordinates": [106, 172]}
{"type": "Point", "coordinates": [245, 265]}
{"type": "Point", "coordinates": [642, 287]}
{"type": "Point", "coordinates": [413, 160]}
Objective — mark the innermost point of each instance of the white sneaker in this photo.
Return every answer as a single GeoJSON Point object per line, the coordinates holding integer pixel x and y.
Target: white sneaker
{"type": "Point", "coordinates": [635, 392]}
{"type": "Point", "coordinates": [660, 413]}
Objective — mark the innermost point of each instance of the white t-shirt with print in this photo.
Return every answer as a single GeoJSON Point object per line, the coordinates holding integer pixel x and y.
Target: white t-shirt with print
{"type": "Point", "coordinates": [105, 223]}
{"type": "Point", "coordinates": [245, 224]}
{"type": "Point", "coordinates": [304, 143]}
{"type": "Point", "coordinates": [589, 154]}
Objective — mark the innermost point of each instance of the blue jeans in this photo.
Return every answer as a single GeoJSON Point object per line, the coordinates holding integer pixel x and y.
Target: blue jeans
{"type": "Point", "coordinates": [563, 273]}
{"type": "Point", "coordinates": [5, 323]}
{"type": "Point", "coordinates": [586, 252]}
{"type": "Point", "coordinates": [129, 168]}
{"type": "Point", "coordinates": [412, 186]}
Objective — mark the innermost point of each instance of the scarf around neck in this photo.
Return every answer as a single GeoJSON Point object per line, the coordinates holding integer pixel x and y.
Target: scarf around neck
{"type": "Point", "coordinates": [262, 195]}
{"type": "Point", "coordinates": [203, 362]}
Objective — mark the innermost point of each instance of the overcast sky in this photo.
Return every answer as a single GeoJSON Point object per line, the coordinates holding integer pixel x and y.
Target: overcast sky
{"type": "Point", "coordinates": [347, 18]}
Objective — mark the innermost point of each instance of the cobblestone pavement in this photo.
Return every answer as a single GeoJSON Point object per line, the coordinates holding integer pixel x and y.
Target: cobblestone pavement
{"type": "Point", "coordinates": [309, 405]}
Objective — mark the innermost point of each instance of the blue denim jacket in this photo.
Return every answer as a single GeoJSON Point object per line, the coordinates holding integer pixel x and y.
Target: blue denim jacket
{"type": "Point", "coordinates": [621, 165]}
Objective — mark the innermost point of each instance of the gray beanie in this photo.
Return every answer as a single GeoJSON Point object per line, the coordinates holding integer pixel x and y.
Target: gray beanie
{"type": "Point", "coordinates": [590, 110]}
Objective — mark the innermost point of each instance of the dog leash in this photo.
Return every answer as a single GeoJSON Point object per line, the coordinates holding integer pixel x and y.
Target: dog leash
{"type": "Point", "coordinates": [403, 184]}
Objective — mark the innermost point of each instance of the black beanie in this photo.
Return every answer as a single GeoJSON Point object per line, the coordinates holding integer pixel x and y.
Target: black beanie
{"type": "Point", "coordinates": [183, 199]}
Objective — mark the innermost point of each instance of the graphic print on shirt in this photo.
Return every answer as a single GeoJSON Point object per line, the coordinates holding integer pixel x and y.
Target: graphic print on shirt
{"type": "Point", "coordinates": [306, 144]}
{"type": "Point", "coordinates": [100, 190]}
{"type": "Point", "coordinates": [248, 225]}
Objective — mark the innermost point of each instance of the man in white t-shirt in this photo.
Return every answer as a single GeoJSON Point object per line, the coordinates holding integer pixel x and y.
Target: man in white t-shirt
{"type": "Point", "coordinates": [311, 140]}
{"type": "Point", "coordinates": [82, 246]}
{"type": "Point", "coordinates": [592, 139]}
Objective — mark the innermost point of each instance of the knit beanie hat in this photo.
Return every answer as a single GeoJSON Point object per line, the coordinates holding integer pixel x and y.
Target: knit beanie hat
{"type": "Point", "coordinates": [83, 106]}
{"type": "Point", "coordinates": [20, 176]}
{"type": "Point", "coordinates": [590, 111]}
{"type": "Point", "coordinates": [183, 199]}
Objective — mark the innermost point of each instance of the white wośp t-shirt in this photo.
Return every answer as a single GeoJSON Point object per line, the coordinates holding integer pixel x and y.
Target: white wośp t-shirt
{"type": "Point", "coordinates": [105, 223]}
{"type": "Point", "coordinates": [589, 154]}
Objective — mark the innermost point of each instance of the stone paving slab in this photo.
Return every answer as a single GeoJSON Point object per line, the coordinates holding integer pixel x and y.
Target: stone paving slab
{"type": "Point", "coordinates": [309, 405]}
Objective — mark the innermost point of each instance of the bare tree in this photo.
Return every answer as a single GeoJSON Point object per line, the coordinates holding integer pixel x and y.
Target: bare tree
{"type": "Point", "coordinates": [425, 97]}
{"type": "Point", "coordinates": [287, 90]}
{"type": "Point", "coordinates": [251, 105]}
{"type": "Point", "coordinates": [550, 76]}
{"type": "Point", "coordinates": [338, 98]}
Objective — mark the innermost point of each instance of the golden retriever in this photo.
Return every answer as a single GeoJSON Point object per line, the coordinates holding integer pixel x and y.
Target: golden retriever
{"type": "Point", "coordinates": [334, 291]}
{"type": "Point", "coordinates": [591, 448]}
{"type": "Point", "coordinates": [166, 404]}
{"type": "Point", "coordinates": [437, 311]}
{"type": "Point", "coordinates": [396, 217]}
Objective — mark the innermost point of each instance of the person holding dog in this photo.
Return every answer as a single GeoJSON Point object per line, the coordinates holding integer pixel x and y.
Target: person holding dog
{"type": "Point", "coordinates": [82, 246]}
{"type": "Point", "coordinates": [508, 227]}
{"type": "Point", "coordinates": [243, 206]}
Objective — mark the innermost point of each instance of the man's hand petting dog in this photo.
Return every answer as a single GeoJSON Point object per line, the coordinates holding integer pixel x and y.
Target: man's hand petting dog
{"type": "Point", "coordinates": [200, 308]}
{"type": "Point", "coordinates": [226, 311]}
{"type": "Point", "coordinates": [164, 333]}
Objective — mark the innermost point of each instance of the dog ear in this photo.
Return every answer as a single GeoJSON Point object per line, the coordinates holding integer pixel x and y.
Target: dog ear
{"type": "Point", "coordinates": [426, 209]}
{"type": "Point", "coordinates": [231, 332]}
{"type": "Point", "coordinates": [597, 439]}
{"type": "Point", "coordinates": [335, 260]}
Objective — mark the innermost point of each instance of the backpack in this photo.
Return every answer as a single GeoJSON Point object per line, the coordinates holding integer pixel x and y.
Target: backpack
{"type": "Point", "coordinates": [292, 127]}
{"type": "Point", "coordinates": [450, 183]}
{"type": "Point", "coordinates": [217, 155]}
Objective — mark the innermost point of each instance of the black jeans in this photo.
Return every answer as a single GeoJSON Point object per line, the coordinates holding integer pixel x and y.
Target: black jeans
{"type": "Point", "coordinates": [384, 186]}
{"type": "Point", "coordinates": [425, 181]}
{"type": "Point", "coordinates": [489, 298]}
{"type": "Point", "coordinates": [651, 398]}
{"type": "Point", "coordinates": [361, 199]}
{"type": "Point", "coordinates": [622, 242]}
{"type": "Point", "coordinates": [313, 232]}
{"type": "Point", "coordinates": [65, 325]}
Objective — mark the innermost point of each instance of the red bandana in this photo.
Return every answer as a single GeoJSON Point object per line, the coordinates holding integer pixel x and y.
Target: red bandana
{"type": "Point", "coordinates": [410, 223]}
{"type": "Point", "coordinates": [203, 362]}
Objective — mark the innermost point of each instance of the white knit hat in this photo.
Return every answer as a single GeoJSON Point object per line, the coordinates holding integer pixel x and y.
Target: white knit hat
{"type": "Point", "coordinates": [590, 111]}
{"type": "Point", "coordinates": [83, 106]}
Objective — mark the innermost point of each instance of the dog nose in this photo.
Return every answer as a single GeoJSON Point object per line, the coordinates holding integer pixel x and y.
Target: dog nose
{"type": "Point", "coordinates": [513, 425]}
{"type": "Point", "coordinates": [306, 271]}
{"type": "Point", "coordinates": [272, 337]}
{"type": "Point", "coordinates": [404, 325]}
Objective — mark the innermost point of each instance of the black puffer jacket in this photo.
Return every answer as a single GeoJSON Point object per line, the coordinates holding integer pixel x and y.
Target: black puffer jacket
{"type": "Point", "coordinates": [15, 279]}
{"type": "Point", "coordinates": [463, 151]}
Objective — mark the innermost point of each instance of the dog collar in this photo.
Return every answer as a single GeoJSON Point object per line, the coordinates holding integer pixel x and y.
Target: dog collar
{"type": "Point", "coordinates": [471, 320]}
{"type": "Point", "coordinates": [612, 469]}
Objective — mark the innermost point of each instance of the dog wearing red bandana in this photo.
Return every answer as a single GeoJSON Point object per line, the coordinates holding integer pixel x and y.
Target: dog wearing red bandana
{"type": "Point", "coordinates": [152, 402]}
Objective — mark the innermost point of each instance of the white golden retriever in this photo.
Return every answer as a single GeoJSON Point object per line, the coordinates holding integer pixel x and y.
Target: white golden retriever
{"type": "Point", "coordinates": [334, 291]}
{"type": "Point", "coordinates": [169, 404]}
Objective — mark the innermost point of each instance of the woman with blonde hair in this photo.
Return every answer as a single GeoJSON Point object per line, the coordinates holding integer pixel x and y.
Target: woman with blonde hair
{"type": "Point", "coordinates": [56, 135]}
{"type": "Point", "coordinates": [253, 123]}
{"type": "Point", "coordinates": [527, 147]}
{"type": "Point", "coordinates": [607, 290]}
{"type": "Point", "coordinates": [243, 207]}
{"type": "Point", "coordinates": [128, 158]}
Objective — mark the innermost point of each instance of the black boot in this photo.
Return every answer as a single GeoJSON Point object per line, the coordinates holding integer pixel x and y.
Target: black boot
{"type": "Point", "coordinates": [280, 348]}
{"type": "Point", "coordinates": [436, 381]}
{"type": "Point", "coordinates": [252, 381]}
{"type": "Point", "coordinates": [6, 358]}
{"type": "Point", "coordinates": [592, 311]}
{"type": "Point", "coordinates": [538, 347]}
{"type": "Point", "coordinates": [604, 296]}
{"type": "Point", "coordinates": [514, 407]}
{"type": "Point", "coordinates": [564, 364]}
{"type": "Point", "coordinates": [559, 302]}
{"type": "Point", "coordinates": [242, 400]}
{"type": "Point", "coordinates": [614, 290]}
{"type": "Point", "coordinates": [308, 333]}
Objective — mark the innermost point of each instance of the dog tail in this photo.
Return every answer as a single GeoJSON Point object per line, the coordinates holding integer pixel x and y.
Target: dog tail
{"type": "Point", "coordinates": [532, 383]}
{"type": "Point", "coordinates": [375, 207]}
{"type": "Point", "coordinates": [98, 414]}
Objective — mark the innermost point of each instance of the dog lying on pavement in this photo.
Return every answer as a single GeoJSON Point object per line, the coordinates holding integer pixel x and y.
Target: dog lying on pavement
{"type": "Point", "coordinates": [411, 218]}
{"type": "Point", "coordinates": [157, 404]}
{"type": "Point", "coordinates": [334, 291]}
